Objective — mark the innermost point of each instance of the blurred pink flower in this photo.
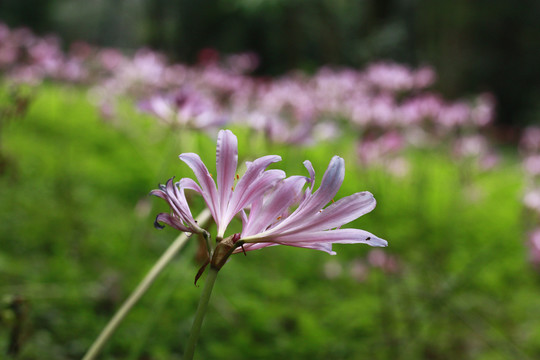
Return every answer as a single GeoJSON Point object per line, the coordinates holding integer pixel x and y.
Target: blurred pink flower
{"type": "Point", "coordinates": [382, 260]}
{"type": "Point", "coordinates": [359, 270]}
{"type": "Point", "coordinates": [384, 151]}
{"type": "Point", "coordinates": [470, 146]}
{"type": "Point", "coordinates": [483, 110]}
{"type": "Point", "coordinates": [185, 107]}
{"type": "Point", "coordinates": [530, 139]}
{"type": "Point", "coordinates": [390, 76]}
{"type": "Point", "coordinates": [455, 114]}
{"type": "Point", "coordinates": [534, 247]}
{"type": "Point", "coordinates": [532, 165]}
{"type": "Point", "coordinates": [532, 200]}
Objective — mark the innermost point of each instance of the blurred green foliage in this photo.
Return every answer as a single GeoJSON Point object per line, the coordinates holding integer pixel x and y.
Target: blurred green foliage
{"type": "Point", "coordinates": [77, 236]}
{"type": "Point", "coordinates": [475, 46]}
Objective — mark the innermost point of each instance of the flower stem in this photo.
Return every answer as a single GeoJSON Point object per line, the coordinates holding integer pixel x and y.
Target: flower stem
{"type": "Point", "coordinates": [150, 277]}
{"type": "Point", "coordinates": [199, 315]}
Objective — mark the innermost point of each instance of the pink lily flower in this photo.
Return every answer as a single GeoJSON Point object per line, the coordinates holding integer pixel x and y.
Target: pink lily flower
{"type": "Point", "coordinates": [180, 217]}
{"type": "Point", "coordinates": [311, 225]}
{"type": "Point", "coordinates": [225, 200]}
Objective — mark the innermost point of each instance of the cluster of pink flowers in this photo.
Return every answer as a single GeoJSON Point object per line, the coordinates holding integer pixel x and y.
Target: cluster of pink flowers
{"type": "Point", "coordinates": [30, 59]}
{"type": "Point", "coordinates": [274, 209]}
{"type": "Point", "coordinates": [27, 58]}
{"type": "Point", "coordinates": [388, 107]}
{"type": "Point", "coordinates": [530, 150]}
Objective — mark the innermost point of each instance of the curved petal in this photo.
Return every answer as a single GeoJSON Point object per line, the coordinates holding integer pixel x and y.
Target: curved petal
{"type": "Point", "coordinates": [254, 183]}
{"type": "Point", "coordinates": [326, 247]}
{"type": "Point", "coordinates": [278, 201]}
{"type": "Point", "coordinates": [171, 221]}
{"type": "Point", "coordinates": [187, 217]}
{"type": "Point", "coordinates": [337, 214]}
{"type": "Point", "coordinates": [256, 190]}
{"type": "Point", "coordinates": [330, 184]}
{"type": "Point", "coordinates": [253, 171]}
{"type": "Point", "coordinates": [177, 200]}
{"type": "Point", "coordinates": [190, 184]}
{"type": "Point", "coordinates": [339, 236]}
{"type": "Point", "coordinates": [208, 187]}
{"type": "Point", "coordinates": [166, 192]}
{"type": "Point", "coordinates": [174, 195]}
{"type": "Point", "coordinates": [226, 163]}
{"type": "Point", "coordinates": [311, 172]}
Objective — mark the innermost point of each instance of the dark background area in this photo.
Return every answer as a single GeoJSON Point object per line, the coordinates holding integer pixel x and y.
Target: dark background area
{"type": "Point", "coordinates": [475, 46]}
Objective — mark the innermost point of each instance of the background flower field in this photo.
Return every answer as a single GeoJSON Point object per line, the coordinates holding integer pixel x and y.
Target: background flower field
{"type": "Point", "coordinates": [81, 149]}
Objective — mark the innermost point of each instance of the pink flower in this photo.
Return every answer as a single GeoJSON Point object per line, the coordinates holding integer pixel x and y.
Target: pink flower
{"type": "Point", "coordinates": [264, 199]}
{"type": "Point", "coordinates": [185, 107]}
{"type": "Point", "coordinates": [180, 217]}
{"type": "Point", "coordinates": [311, 225]}
{"type": "Point", "coordinates": [534, 247]}
{"type": "Point", "coordinates": [226, 200]}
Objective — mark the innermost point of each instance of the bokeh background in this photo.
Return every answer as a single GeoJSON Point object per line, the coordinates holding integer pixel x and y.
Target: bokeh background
{"type": "Point", "coordinates": [432, 104]}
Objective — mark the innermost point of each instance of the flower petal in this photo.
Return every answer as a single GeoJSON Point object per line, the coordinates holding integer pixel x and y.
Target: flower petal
{"type": "Point", "coordinates": [208, 187]}
{"type": "Point", "coordinates": [330, 184]}
{"type": "Point", "coordinates": [253, 184]}
{"type": "Point", "coordinates": [253, 171]}
{"type": "Point", "coordinates": [311, 172]}
{"type": "Point", "coordinates": [171, 221]}
{"type": "Point", "coordinates": [338, 214]}
{"type": "Point", "coordinates": [226, 163]}
{"type": "Point", "coordinates": [286, 193]}
{"type": "Point", "coordinates": [177, 200]}
{"type": "Point", "coordinates": [181, 201]}
{"type": "Point", "coordinates": [174, 195]}
{"type": "Point", "coordinates": [187, 183]}
{"type": "Point", "coordinates": [256, 190]}
{"type": "Point", "coordinates": [326, 247]}
{"type": "Point", "coordinates": [339, 236]}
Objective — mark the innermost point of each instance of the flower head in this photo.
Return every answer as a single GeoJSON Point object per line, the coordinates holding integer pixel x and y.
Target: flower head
{"type": "Point", "coordinates": [311, 225]}
{"type": "Point", "coordinates": [225, 200]}
{"type": "Point", "coordinates": [275, 210]}
{"type": "Point", "coordinates": [180, 217]}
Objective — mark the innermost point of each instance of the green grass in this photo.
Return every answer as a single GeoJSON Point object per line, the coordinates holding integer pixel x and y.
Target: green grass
{"type": "Point", "coordinates": [76, 236]}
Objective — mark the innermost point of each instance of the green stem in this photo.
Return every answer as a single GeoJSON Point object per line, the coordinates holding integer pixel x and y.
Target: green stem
{"type": "Point", "coordinates": [199, 315]}
{"type": "Point", "coordinates": [141, 289]}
